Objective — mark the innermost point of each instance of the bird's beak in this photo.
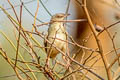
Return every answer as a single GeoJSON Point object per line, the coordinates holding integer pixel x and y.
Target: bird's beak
{"type": "Point", "coordinates": [66, 15]}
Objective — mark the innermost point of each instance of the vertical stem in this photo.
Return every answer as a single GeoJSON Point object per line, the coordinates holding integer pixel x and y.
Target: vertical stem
{"type": "Point", "coordinates": [97, 41]}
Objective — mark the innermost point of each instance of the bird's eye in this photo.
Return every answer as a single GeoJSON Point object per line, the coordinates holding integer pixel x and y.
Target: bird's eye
{"type": "Point", "coordinates": [59, 16]}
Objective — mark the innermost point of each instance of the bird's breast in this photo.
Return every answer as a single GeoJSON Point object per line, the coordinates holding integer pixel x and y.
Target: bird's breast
{"type": "Point", "coordinates": [56, 27]}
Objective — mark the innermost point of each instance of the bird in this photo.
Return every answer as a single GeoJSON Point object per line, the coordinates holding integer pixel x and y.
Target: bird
{"type": "Point", "coordinates": [56, 35]}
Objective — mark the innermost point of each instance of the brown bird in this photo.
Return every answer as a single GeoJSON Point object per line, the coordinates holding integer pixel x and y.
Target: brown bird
{"type": "Point", "coordinates": [56, 33]}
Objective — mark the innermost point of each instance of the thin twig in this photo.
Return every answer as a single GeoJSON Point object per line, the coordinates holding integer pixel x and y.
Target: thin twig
{"type": "Point", "coordinates": [30, 12]}
{"type": "Point", "coordinates": [105, 28]}
{"type": "Point", "coordinates": [76, 20]}
{"type": "Point", "coordinates": [97, 40]}
{"type": "Point", "coordinates": [18, 40]}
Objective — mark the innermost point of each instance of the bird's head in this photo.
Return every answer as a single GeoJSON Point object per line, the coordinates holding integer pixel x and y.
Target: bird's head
{"type": "Point", "coordinates": [59, 16]}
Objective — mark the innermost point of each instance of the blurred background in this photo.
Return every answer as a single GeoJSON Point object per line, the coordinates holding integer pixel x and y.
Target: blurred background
{"type": "Point", "coordinates": [102, 12]}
